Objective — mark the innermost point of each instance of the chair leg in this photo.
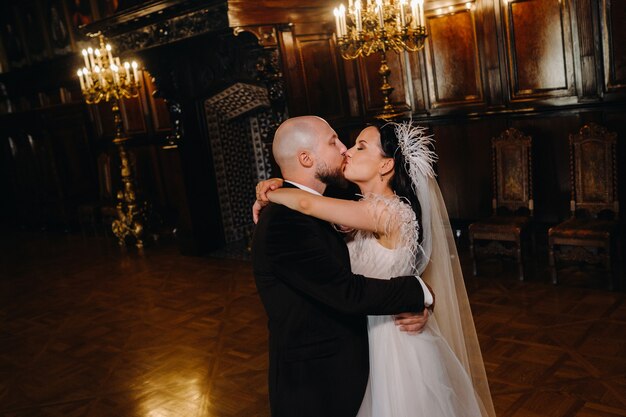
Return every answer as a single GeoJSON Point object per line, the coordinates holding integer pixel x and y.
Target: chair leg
{"type": "Point", "coordinates": [520, 259]}
{"type": "Point", "coordinates": [533, 249]}
{"type": "Point", "coordinates": [473, 254]}
{"type": "Point", "coordinates": [552, 263]}
{"type": "Point", "coordinates": [610, 256]}
{"type": "Point", "coordinates": [619, 276]}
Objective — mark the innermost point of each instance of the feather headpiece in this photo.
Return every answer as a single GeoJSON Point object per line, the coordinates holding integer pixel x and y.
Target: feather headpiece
{"type": "Point", "coordinates": [416, 146]}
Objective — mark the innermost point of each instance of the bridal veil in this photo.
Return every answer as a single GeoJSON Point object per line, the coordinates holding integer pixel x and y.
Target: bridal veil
{"type": "Point", "coordinates": [437, 261]}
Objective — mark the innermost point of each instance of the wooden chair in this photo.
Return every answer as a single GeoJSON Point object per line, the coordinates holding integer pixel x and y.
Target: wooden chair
{"type": "Point", "coordinates": [505, 232]}
{"type": "Point", "coordinates": [590, 235]}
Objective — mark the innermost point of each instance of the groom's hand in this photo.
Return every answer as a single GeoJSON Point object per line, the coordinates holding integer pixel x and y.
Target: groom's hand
{"type": "Point", "coordinates": [412, 323]}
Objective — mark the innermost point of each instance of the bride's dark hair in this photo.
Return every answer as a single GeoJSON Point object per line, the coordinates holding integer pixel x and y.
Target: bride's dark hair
{"type": "Point", "coordinates": [400, 182]}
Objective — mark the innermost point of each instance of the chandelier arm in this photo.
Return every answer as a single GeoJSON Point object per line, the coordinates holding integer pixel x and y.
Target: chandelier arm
{"type": "Point", "coordinates": [391, 26]}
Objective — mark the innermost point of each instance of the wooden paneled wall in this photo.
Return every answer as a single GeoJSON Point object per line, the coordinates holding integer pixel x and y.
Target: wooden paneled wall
{"type": "Point", "coordinates": [480, 56]}
{"type": "Point", "coordinates": [545, 67]}
{"type": "Point", "coordinates": [453, 60]}
{"type": "Point", "coordinates": [48, 166]}
{"type": "Point", "coordinates": [613, 32]}
{"type": "Point", "coordinates": [59, 157]}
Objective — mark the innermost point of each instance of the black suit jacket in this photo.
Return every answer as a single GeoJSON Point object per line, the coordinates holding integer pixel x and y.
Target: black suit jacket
{"type": "Point", "coordinates": [319, 360]}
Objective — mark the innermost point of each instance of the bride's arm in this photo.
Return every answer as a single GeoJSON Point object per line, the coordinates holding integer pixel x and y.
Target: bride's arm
{"type": "Point", "coordinates": [360, 215]}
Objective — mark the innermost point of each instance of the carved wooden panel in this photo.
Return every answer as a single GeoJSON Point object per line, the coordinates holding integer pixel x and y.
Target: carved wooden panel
{"type": "Point", "coordinates": [589, 78]}
{"type": "Point", "coordinates": [539, 48]}
{"type": "Point", "coordinates": [246, 12]}
{"type": "Point", "coordinates": [69, 142]}
{"type": "Point", "coordinates": [50, 164]}
{"type": "Point", "coordinates": [418, 88]}
{"type": "Point", "coordinates": [296, 101]}
{"type": "Point", "coordinates": [371, 81]}
{"type": "Point", "coordinates": [133, 111]}
{"type": "Point", "coordinates": [173, 185]}
{"type": "Point", "coordinates": [132, 117]}
{"type": "Point", "coordinates": [102, 117]}
{"type": "Point", "coordinates": [453, 57]}
{"type": "Point", "coordinates": [320, 72]}
{"type": "Point", "coordinates": [148, 174]}
{"type": "Point", "coordinates": [27, 177]}
{"type": "Point", "coordinates": [133, 114]}
{"type": "Point", "coordinates": [487, 14]}
{"type": "Point", "coordinates": [353, 87]}
{"type": "Point", "coordinates": [613, 45]}
{"type": "Point", "coordinates": [158, 107]}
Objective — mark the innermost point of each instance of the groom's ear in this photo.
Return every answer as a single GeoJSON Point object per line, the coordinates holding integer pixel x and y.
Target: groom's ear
{"type": "Point", "coordinates": [387, 166]}
{"type": "Point", "coordinates": [306, 159]}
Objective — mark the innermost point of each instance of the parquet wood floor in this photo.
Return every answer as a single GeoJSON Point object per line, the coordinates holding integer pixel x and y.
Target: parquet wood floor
{"type": "Point", "coordinates": [87, 331]}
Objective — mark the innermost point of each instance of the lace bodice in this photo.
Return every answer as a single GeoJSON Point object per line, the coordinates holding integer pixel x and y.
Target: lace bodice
{"type": "Point", "coordinates": [368, 257]}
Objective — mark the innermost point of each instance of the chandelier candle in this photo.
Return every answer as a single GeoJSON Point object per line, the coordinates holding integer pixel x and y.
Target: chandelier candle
{"type": "Point", "coordinates": [377, 26]}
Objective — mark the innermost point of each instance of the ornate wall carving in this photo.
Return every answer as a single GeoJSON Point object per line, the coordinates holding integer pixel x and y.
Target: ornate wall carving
{"type": "Point", "coordinates": [160, 25]}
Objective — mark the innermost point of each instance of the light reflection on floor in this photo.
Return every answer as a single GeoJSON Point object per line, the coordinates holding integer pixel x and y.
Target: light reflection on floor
{"type": "Point", "coordinates": [86, 331]}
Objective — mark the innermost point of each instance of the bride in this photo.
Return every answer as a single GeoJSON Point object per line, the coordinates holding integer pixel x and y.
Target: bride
{"type": "Point", "coordinates": [400, 227]}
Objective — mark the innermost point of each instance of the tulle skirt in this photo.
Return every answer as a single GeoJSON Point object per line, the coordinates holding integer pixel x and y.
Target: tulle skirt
{"type": "Point", "coordinates": [415, 375]}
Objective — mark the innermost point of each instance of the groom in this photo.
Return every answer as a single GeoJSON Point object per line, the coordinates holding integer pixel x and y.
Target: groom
{"type": "Point", "coordinates": [317, 308]}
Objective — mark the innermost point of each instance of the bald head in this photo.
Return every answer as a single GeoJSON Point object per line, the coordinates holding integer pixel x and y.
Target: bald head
{"type": "Point", "coordinates": [294, 136]}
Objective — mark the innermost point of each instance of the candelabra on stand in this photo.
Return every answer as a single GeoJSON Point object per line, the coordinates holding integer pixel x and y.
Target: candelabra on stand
{"type": "Point", "coordinates": [105, 78]}
{"type": "Point", "coordinates": [379, 26]}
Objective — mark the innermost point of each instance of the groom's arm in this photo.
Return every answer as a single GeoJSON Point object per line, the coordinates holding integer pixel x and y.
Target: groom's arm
{"type": "Point", "coordinates": [300, 259]}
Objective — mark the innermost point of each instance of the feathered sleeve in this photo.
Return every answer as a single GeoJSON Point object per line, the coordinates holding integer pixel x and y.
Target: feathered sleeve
{"type": "Point", "coordinates": [394, 217]}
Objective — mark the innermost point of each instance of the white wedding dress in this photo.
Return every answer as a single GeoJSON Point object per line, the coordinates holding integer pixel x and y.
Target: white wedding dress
{"type": "Point", "coordinates": [411, 375]}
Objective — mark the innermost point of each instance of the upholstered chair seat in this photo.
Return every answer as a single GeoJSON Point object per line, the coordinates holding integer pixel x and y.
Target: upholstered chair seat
{"type": "Point", "coordinates": [500, 224]}
{"type": "Point", "coordinates": [585, 229]}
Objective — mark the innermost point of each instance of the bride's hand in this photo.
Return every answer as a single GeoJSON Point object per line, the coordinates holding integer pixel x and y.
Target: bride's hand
{"type": "Point", "coordinates": [263, 187]}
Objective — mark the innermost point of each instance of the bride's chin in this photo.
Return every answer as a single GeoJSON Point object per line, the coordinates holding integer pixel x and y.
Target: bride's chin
{"type": "Point", "coordinates": [346, 175]}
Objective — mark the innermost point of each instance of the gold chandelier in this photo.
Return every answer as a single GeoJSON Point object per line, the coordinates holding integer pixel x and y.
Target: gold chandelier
{"type": "Point", "coordinates": [380, 26]}
{"type": "Point", "coordinates": [105, 78]}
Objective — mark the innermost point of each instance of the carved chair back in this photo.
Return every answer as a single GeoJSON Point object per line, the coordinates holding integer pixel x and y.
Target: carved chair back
{"type": "Point", "coordinates": [512, 172]}
{"type": "Point", "coordinates": [593, 171]}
